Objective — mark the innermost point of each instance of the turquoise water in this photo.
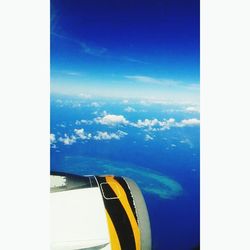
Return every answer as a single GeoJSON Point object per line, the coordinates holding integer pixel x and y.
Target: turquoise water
{"type": "Point", "coordinates": [149, 181]}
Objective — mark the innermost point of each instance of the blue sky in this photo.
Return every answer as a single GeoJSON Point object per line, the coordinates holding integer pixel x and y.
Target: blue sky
{"type": "Point", "coordinates": [138, 49]}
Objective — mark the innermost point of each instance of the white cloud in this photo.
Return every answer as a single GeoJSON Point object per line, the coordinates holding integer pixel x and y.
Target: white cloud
{"type": "Point", "coordinates": [112, 120]}
{"type": "Point", "coordinates": [157, 125]}
{"type": "Point", "coordinates": [121, 133]}
{"type": "Point", "coordinates": [151, 80]}
{"type": "Point", "coordinates": [192, 109]}
{"type": "Point", "coordinates": [146, 123]}
{"type": "Point", "coordinates": [52, 138]}
{"type": "Point", "coordinates": [129, 109]}
{"type": "Point", "coordinates": [167, 124]}
{"type": "Point", "coordinates": [145, 79]}
{"type": "Point", "coordinates": [189, 122]}
{"type": "Point", "coordinates": [109, 136]}
{"type": "Point", "coordinates": [80, 122]}
{"type": "Point", "coordinates": [82, 135]}
{"type": "Point", "coordinates": [148, 138]}
{"type": "Point", "coordinates": [67, 140]}
{"type": "Point", "coordinates": [154, 124]}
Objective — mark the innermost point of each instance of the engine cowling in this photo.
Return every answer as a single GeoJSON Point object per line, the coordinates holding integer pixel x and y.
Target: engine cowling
{"type": "Point", "coordinates": [98, 212]}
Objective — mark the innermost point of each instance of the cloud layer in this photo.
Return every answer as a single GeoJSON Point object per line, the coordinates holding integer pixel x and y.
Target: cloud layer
{"type": "Point", "coordinates": [82, 135]}
{"type": "Point", "coordinates": [115, 121]}
{"type": "Point", "coordinates": [109, 136]}
{"type": "Point", "coordinates": [151, 80]}
{"type": "Point", "coordinates": [112, 120]}
{"type": "Point", "coordinates": [67, 140]}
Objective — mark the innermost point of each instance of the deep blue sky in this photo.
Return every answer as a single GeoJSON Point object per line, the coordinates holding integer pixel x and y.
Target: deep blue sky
{"type": "Point", "coordinates": [126, 47]}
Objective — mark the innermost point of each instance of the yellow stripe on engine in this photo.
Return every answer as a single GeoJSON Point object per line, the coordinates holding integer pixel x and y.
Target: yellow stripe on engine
{"type": "Point", "coordinates": [115, 244]}
{"type": "Point", "coordinates": [125, 203]}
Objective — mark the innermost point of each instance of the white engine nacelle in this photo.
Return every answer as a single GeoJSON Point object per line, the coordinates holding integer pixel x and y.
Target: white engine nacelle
{"type": "Point", "coordinates": [97, 212]}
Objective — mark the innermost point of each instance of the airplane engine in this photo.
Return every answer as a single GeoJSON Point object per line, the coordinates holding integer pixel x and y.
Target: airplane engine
{"type": "Point", "coordinates": [97, 212]}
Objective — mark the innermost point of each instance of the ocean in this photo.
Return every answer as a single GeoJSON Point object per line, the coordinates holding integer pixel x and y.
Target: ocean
{"type": "Point", "coordinates": [156, 144]}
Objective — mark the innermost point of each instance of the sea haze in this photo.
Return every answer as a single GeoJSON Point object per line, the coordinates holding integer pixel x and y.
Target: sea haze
{"type": "Point", "coordinates": [157, 144]}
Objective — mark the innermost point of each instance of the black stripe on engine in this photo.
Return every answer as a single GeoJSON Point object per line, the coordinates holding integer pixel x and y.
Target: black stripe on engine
{"type": "Point", "coordinates": [119, 218]}
{"type": "Point", "coordinates": [129, 195]}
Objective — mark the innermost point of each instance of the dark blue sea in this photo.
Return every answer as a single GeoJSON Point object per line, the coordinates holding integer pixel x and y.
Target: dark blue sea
{"type": "Point", "coordinates": [97, 136]}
